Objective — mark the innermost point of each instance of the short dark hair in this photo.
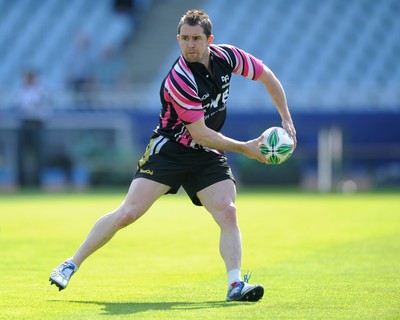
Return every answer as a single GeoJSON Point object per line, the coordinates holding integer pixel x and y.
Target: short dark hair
{"type": "Point", "coordinates": [195, 17]}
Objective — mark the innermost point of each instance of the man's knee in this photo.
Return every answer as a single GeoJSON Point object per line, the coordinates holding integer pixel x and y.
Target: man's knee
{"type": "Point", "coordinates": [127, 214]}
{"type": "Point", "coordinates": [226, 215]}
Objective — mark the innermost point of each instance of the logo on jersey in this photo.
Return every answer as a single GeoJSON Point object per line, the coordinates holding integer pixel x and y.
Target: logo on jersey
{"type": "Point", "coordinates": [225, 79]}
{"type": "Point", "coordinates": [215, 102]}
{"type": "Point", "coordinates": [205, 96]}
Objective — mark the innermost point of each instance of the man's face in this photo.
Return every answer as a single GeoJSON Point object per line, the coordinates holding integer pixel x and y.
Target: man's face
{"type": "Point", "coordinates": [194, 43]}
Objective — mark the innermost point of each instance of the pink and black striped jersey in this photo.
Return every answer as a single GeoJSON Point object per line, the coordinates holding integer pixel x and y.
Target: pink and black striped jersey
{"type": "Point", "coordinates": [190, 92]}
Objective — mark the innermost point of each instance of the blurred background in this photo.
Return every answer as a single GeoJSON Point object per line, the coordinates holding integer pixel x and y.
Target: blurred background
{"type": "Point", "coordinates": [80, 79]}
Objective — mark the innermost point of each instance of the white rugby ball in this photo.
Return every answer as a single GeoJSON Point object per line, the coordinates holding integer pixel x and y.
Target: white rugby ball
{"type": "Point", "coordinates": [277, 145]}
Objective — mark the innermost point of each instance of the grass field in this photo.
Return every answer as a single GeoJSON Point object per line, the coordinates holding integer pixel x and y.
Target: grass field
{"type": "Point", "coordinates": [318, 257]}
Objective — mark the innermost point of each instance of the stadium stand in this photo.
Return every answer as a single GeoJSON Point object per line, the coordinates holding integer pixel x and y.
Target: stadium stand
{"type": "Point", "coordinates": [338, 61]}
{"type": "Point", "coordinates": [328, 54]}
{"type": "Point", "coordinates": [40, 34]}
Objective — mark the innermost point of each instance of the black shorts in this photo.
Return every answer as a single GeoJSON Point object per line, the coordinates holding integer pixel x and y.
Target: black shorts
{"type": "Point", "coordinates": [170, 163]}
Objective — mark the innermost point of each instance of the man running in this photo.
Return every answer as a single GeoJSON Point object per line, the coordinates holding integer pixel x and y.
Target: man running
{"type": "Point", "coordinates": [188, 150]}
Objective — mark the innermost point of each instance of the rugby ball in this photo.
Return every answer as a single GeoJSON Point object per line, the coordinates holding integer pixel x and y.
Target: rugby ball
{"type": "Point", "coordinates": [277, 145]}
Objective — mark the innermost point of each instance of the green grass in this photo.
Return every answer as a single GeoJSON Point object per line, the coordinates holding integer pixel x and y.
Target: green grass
{"type": "Point", "coordinates": [318, 257]}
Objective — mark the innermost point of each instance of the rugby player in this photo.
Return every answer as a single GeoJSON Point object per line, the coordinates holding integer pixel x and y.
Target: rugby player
{"type": "Point", "coordinates": [187, 148]}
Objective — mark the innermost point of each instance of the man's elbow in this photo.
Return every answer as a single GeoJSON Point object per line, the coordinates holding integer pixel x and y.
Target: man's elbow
{"type": "Point", "coordinates": [201, 140]}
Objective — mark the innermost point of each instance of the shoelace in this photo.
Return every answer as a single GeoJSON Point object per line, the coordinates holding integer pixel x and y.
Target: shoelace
{"type": "Point", "coordinates": [67, 269]}
{"type": "Point", "coordinates": [246, 277]}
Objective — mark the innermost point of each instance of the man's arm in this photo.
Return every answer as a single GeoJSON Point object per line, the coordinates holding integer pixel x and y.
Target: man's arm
{"type": "Point", "coordinates": [207, 137]}
{"type": "Point", "coordinates": [275, 90]}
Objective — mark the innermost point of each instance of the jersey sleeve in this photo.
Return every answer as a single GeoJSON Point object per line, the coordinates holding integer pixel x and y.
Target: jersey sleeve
{"type": "Point", "coordinates": [183, 93]}
{"type": "Point", "coordinates": [242, 63]}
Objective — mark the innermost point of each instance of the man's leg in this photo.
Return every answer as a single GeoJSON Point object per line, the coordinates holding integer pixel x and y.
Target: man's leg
{"type": "Point", "coordinates": [141, 195]}
{"type": "Point", "coordinates": [219, 200]}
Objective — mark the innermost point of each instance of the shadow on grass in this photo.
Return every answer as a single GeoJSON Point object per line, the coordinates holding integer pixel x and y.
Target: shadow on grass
{"type": "Point", "coordinates": [115, 308]}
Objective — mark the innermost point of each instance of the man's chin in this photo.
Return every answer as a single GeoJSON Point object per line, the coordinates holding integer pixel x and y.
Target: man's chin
{"type": "Point", "coordinates": [191, 58]}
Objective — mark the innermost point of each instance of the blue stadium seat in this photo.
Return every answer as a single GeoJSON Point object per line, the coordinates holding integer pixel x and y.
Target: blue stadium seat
{"type": "Point", "coordinates": [320, 50]}
{"type": "Point", "coordinates": [38, 34]}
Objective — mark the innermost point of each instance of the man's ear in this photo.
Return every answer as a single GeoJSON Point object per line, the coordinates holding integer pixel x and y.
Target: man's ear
{"type": "Point", "coordinates": [210, 39]}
